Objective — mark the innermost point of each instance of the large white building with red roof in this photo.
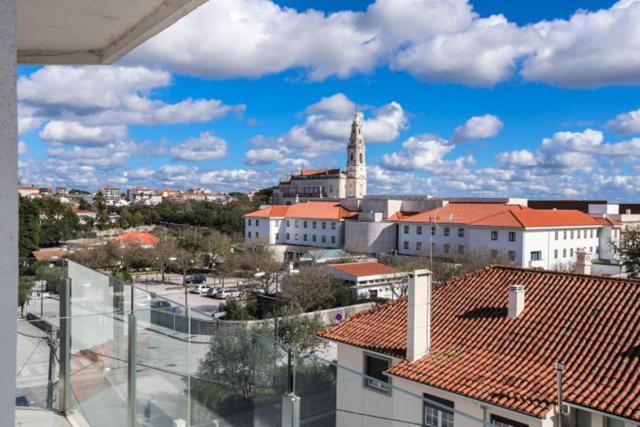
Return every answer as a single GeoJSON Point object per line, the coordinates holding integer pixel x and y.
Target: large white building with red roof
{"type": "Point", "coordinates": [483, 348]}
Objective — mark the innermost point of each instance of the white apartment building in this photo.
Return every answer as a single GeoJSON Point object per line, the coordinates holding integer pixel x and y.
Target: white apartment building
{"type": "Point", "coordinates": [521, 236]}
{"type": "Point", "coordinates": [291, 229]}
{"type": "Point", "coordinates": [484, 350]}
{"type": "Point", "coordinates": [140, 194]}
{"type": "Point", "coordinates": [370, 279]}
{"type": "Point", "coordinates": [111, 195]}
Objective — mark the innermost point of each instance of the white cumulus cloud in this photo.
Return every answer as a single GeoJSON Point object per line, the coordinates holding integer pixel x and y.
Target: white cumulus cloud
{"type": "Point", "coordinates": [205, 147]}
{"type": "Point", "coordinates": [478, 127]}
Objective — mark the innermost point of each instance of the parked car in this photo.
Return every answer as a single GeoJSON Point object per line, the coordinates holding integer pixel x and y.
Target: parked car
{"type": "Point", "coordinates": [227, 293]}
{"type": "Point", "coordinates": [200, 289]}
{"type": "Point", "coordinates": [211, 292]}
{"type": "Point", "coordinates": [195, 279]}
{"type": "Point", "coordinates": [160, 304]}
{"type": "Point", "coordinates": [21, 398]}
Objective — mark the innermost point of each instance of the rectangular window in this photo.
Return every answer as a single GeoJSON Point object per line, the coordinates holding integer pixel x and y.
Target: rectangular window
{"type": "Point", "coordinates": [555, 254]}
{"type": "Point", "coordinates": [494, 235]}
{"type": "Point", "coordinates": [512, 256]}
{"type": "Point", "coordinates": [564, 235]}
{"type": "Point", "coordinates": [446, 248]}
{"type": "Point", "coordinates": [296, 236]}
{"type": "Point", "coordinates": [461, 249]}
{"type": "Point", "coordinates": [536, 255]}
{"type": "Point", "coordinates": [313, 238]}
{"type": "Point", "coordinates": [304, 224]}
{"type": "Point", "coordinates": [564, 253]}
{"type": "Point", "coordinates": [324, 225]}
{"type": "Point", "coordinates": [498, 421]}
{"type": "Point", "coordinates": [438, 412]}
{"type": "Point", "coordinates": [374, 369]}
{"type": "Point", "coordinates": [494, 253]}
{"type": "Point", "coordinates": [313, 224]}
{"type": "Point", "coordinates": [419, 229]}
{"type": "Point", "coordinates": [324, 238]}
{"type": "Point", "coordinates": [460, 232]}
{"type": "Point", "coordinates": [257, 235]}
{"type": "Point", "coordinates": [418, 246]}
{"type": "Point", "coordinates": [556, 235]}
{"type": "Point", "coordinates": [591, 233]}
{"type": "Point", "coordinates": [297, 223]}
{"type": "Point", "coordinates": [249, 222]}
{"type": "Point", "coordinates": [276, 237]}
{"type": "Point", "coordinates": [433, 231]}
{"type": "Point", "coordinates": [446, 231]}
{"type": "Point", "coordinates": [598, 232]}
{"type": "Point", "coordinates": [288, 223]}
{"type": "Point", "coordinates": [406, 229]}
{"type": "Point", "coordinates": [249, 234]}
{"type": "Point", "coordinates": [257, 222]}
{"type": "Point", "coordinates": [571, 252]}
{"type": "Point", "coordinates": [333, 225]}
{"type": "Point", "coordinates": [405, 245]}
{"type": "Point", "coordinates": [304, 237]}
{"type": "Point", "coordinates": [572, 234]}
{"type": "Point", "coordinates": [512, 236]}
{"type": "Point", "coordinates": [287, 236]}
{"type": "Point", "coordinates": [333, 239]}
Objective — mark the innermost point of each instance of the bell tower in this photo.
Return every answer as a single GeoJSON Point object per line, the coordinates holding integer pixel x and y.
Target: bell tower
{"type": "Point", "coordinates": [356, 162]}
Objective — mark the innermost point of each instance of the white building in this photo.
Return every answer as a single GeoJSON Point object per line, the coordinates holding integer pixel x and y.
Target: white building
{"type": "Point", "coordinates": [111, 195]}
{"type": "Point", "coordinates": [370, 279]}
{"type": "Point", "coordinates": [330, 183]}
{"type": "Point", "coordinates": [289, 230]}
{"type": "Point", "coordinates": [483, 350]}
{"type": "Point", "coordinates": [140, 194]}
{"type": "Point", "coordinates": [520, 235]}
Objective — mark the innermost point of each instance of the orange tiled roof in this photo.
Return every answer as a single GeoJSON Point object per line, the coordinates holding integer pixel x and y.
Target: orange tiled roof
{"type": "Point", "coordinates": [311, 172]}
{"type": "Point", "coordinates": [499, 215]}
{"type": "Point", "coordinates": [607, 221]}
{"type": "Point", "coordinates": [312, 210]}
{"type": "Point", "coordinates": [370, 268]}
{"type": "Point", "coordinates": [589, 323]}
{"type": "Point", "coordinates": [50, 255]}
{"type": "Point", "coordinates": [137, 238]}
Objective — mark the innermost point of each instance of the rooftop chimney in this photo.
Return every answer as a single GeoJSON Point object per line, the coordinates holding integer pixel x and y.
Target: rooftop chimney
{"type": "Point", "coordinates": [583, 261]}
{"type": "Point", "coordinates": [516, 301]}
{"type": "Point", "coordinates": [419, 315]}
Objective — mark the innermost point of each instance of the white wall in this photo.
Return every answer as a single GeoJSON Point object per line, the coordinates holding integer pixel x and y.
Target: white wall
{"type": "Point", "coordinates": [8, 209]}
{"type": "Point", "coordinates": [371, 237]}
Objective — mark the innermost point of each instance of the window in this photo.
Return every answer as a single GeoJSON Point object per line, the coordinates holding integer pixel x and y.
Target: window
{"type": "Point", "coordinates": [555, 254]}
{"type": "Point", "coordinates": [438, 412]}
{"type": "Point", "coordinates": [276, 236]}
{"type": "Point", "coordinates": [304, 237]}
{"type": "Point", "coordinates": [333, 225]}
{"type": "Point", "coordinates": [512, 256]}
{"type": "Point", "coordinates": [571, 251]}
{"type": "Point", "coordinates": [419, 229]}
{"type": "Point", "coordinates": [405, 245]}
{"type": "Point", "coordinates": [571, 234]}
{"type": "Point", "coordinates": [494, 253]}
{"type": "Point", "coordinates": [304, 224]}
{"type": "Point", "coordinates": [505, 422]}
{"type": "Point", "coordinates": [406, 229]}
{"type": "Point", "coordinates": [565, 234]}
{"type": "Point", "coordinates": [536, 255]}
{"type": "Point", "coordinates": [418, 246]}
{"type": "Point", "coordinates": [556, 235]}
{"type": "Point", "coordinates": [297, 223]}
{"type": "Point", "coordinates": [324, 239]}
{"type": "Point", "coordinates": [610, 422]}
{"type": "Point", "coordinates": [583, 418]}
{"type": "Point", "coordinates": [446, 248]}
{"type": "Point", "coordinates": [249, 234]}
{"type": "Point", "coordinates": [564, 253]}
{"type": "Point", "coordinates": [446, 231]}
{"type": "Point", "coordinates": [257, 235]}
{"type": "Point", "coordinates": [313, 224]}
{"type": "Point", "coordinates": [287, 236]}
{"type": "Point", "coordinates": [374, 368]}
{"type": "Point", "coordinates": [598, 232]}
{"type": "Point", "coordinates": [494, 235]}
{"type": "Point", "coordinates": [461, 249]}
{"type": "Point", "coordinates": [313, 238]}
{"type": "Point", "coordinates": [249, 222]}
{"type": "Point", "coordinates": [288, 223]}
{"type": "Point", "coordinates": [257, 222]}
{"type": "Point", "coordinates": [433, 231]}
{"type": "Point", "coordinates": [591, 233]}
{"type": "Point", "coordinates": [512, 236]}
{"type": "Point", "coordinates": [324, 225]}
{"type": "Point", "coordinates": [333, 239]}
{"type": "Point", "coordinates": [296, 236]}
{"type": "Point", "coordinates": [460, 232]}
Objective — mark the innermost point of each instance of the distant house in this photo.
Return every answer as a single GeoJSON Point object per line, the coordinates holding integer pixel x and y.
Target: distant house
{"type": "Point", "coordinates": [31, 192]}
{"type": "Point", "coordinates": [486, 348]}
{"type": "Point", "coordinates": [370, 279]}
{"type": "Point", "coordinates": [51, 254]}
{"type": "Point", "coordinates": [84, 215]}
{"type": "Point", "coordinates": [137, 238]}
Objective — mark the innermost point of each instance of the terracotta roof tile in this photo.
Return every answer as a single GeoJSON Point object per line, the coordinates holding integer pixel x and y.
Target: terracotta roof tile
{"type": "Point", "coordinates": [137, 238]}
{"type": "Point", "coordinates": [370, 268]}
{"type": "Point", "coordinates": [311, 210]}
{"type": "Point", "coordinates": [589, 323]}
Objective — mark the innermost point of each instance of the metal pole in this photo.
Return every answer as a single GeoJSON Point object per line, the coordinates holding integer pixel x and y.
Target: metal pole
{"type": "Point", "coordinates": [188, 316]}
{"type": "Point", "coordinates": [50, 384]}
{"type": "Point", "coordinates": [64, 385]}
{"type": "Point", "coordinates": [559, 368]}
{"type": "Point", "coordinates": [131, 371]}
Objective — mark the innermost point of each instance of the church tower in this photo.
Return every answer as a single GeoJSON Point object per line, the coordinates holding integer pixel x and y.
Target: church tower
{"type": "Point", "coordinates": [356, 164]}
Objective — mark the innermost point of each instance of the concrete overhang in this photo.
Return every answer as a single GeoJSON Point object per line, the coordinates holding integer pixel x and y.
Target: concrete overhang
{"type": "Point", "coordinates": [91, 31]}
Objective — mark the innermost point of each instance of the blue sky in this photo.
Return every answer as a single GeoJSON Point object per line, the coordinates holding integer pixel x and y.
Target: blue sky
{"type": "Point", "coordinates": [496, 97]}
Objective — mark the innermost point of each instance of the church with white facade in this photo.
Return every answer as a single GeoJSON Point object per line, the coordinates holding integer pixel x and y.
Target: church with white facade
{"type": "Point", "coordinates": [332, 184]}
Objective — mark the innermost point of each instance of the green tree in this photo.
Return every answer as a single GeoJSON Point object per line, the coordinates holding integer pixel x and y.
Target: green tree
{"type": "Point", "coordinates": [629, 250]}
{"type": "Point", "coordinates": [295, 329]}
{"type": "Point", "coordinates": [311, 288]}
{"type": "Point", "coordinates": [25, 287]}
{"type": "Point", "coordinates": [29, 227]}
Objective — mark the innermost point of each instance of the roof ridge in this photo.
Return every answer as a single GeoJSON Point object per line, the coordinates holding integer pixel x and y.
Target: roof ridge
{"type": "Point", "coordinates": [557, 273]}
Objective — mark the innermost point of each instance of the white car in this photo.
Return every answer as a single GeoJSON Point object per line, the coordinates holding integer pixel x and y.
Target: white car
{"type": "Point", "coordinates": [200, 289]}
{"type": "Point", "coordinates": [228, 293]}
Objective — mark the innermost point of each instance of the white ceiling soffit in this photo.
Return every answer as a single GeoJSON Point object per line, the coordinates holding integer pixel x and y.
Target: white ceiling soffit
{"type": "Point", "coordinates": [91, 31]}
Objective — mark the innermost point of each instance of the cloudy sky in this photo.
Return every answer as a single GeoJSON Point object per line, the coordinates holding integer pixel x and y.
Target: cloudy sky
{"type": "Point", "coordinates": [477, 98]}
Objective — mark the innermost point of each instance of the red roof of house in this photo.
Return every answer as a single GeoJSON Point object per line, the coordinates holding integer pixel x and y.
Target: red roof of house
{"type": "Point", "coordinates": [360, 269]}
{"type": "Point", "coordinates": [311, 172]}
{"type": "Point", "coordinates": [591, 324]}
{"type": "Point", "coordinates": [607, 221]}
{"type": "Point", "coordinates": [499, 215]}
{"type": "Point", "coordinates": [137, 238]}
{"type": "Point", "coordinates": [50, 255]}
{"type": "Point", "coordinates": [312, 210]}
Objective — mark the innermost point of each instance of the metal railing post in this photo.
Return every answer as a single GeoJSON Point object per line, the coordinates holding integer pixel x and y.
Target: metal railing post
{"type": "Point", "coordinates": [64, 386]}
{"type": "Point", "coordinates": [131, 371]}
